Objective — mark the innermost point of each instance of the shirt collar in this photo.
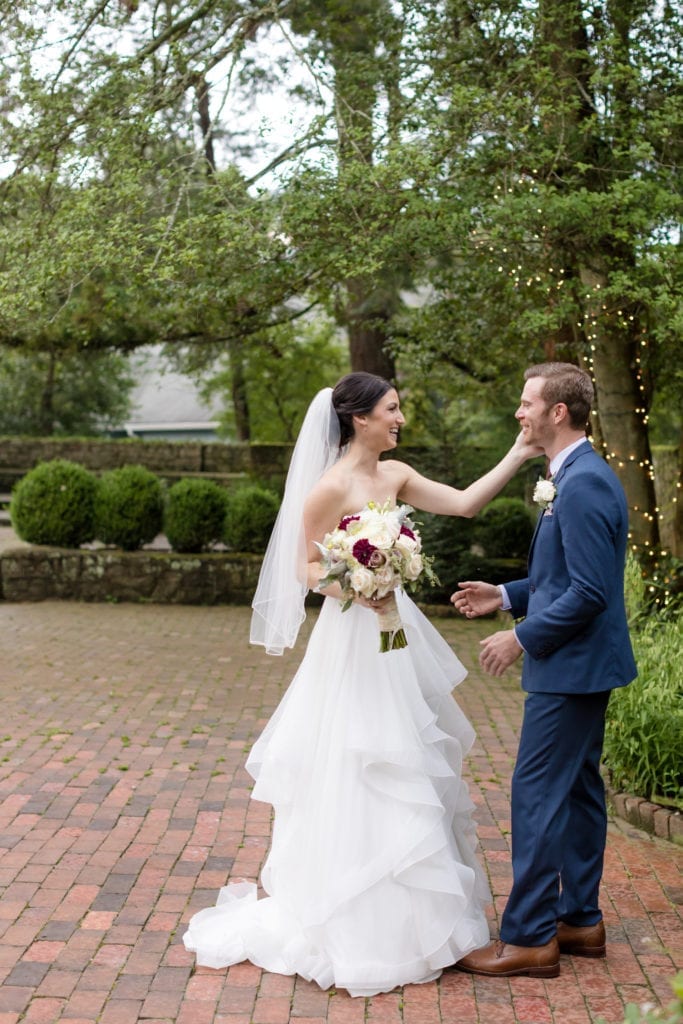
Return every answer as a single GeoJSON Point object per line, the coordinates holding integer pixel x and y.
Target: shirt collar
{"type": "Point", "coordinates": [557, 461]}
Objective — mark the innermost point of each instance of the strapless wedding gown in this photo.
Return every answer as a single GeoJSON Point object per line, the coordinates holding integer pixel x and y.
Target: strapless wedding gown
{"type": "Point", "coordinates": [372, 877]}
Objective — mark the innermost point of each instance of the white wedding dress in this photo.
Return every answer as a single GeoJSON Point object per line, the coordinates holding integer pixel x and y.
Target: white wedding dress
{"type": "Point", "coordinates": [372, 878]}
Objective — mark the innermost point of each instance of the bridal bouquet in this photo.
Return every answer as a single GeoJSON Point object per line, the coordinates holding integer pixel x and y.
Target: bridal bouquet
{"type": "Point", "coordinates": [371, 554]}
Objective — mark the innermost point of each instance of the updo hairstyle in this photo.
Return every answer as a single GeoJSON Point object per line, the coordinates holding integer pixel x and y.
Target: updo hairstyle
{"type": "Point", "coordinates": [356, 394]}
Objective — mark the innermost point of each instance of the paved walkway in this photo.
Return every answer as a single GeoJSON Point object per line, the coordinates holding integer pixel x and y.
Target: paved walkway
{"type": "Point", "coordinates": [124, 806]}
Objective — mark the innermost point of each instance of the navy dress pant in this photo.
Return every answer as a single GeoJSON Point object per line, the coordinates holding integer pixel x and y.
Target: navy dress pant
{"type": "Point", "coordinates": [559, 819]}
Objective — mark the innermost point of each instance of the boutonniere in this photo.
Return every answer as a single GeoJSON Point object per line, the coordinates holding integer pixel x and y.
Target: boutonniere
{"type": "Point", "coordinates": [544, 494]}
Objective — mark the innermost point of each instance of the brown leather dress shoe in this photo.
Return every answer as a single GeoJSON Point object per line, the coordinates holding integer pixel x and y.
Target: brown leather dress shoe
{"type": "Point", "coordinates": [503, 961]}
{"type": "Point", "coordinates": [587, 941]}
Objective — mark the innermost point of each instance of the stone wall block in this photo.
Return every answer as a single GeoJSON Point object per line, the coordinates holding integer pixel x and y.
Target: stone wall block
{"type": "Point", "coordinates": [40, 573]}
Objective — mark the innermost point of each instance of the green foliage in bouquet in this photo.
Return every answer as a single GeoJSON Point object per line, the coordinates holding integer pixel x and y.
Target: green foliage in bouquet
{"type": "Point", "coordinates": [644, 735]}
{"type": "Point", "coordinates": [129, 507]}
{"type": "Point", "coordinates": [194, 515]}
{"type": "Point", "coordinates": [54, 503]}
{"type": "Point", "coordinates": [249, 518]}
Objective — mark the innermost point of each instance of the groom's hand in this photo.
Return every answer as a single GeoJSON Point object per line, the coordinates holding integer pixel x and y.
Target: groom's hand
{"type": "Point", "coordinates": [476, 598]}
{"type": "Point", "coordinates": [499, 651]}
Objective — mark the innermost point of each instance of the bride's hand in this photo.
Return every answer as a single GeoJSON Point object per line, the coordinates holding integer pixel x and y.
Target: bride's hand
{"type": "Point", "coordinates": [527, 451]}
{"type": "Point", "coordinates": [374, 603]}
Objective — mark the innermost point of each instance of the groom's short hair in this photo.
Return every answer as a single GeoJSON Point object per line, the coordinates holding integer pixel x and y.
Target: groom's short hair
{"type": "Point", "coordinates": [566, 383]}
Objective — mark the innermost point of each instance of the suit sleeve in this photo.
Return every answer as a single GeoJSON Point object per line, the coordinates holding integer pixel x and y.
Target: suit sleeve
{"type": "Point", "coordinates": [518, 593]}
{"type": "Point", "coordinates": [589, 514]}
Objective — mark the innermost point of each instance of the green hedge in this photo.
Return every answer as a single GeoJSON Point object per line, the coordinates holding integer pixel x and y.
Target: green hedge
{"type": "Point", "coordinates": [249, 518]}
{"type": "Point", "coordinates": [194, 515]}
{"type": "Point", "coordinates": [54, 503]}
{"type": "Point", "coordinates": [459, 554]}
{"type": "Point", "coordinates": [644, 735]}
{"type": "Point", "coordinates": [504, 528]}
{"type": "Point", "coordinates": [129, 507]}
{"type": "Point", "coordinates": [63, 504]}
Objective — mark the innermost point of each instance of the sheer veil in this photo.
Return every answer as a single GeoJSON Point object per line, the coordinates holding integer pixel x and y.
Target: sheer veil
{"type": "Point", "coordinates": [278, 604]}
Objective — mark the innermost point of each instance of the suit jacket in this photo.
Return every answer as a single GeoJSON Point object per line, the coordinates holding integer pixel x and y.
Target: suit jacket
{"type": "Point", "coordinates": [574, 634]}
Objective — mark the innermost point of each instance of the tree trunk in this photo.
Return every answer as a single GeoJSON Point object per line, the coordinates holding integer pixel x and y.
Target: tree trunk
{"type": "Point", "coordinates": [678, 499]}
{"type": "Point", "coordinates": [367, 332]}
{"type": "Point", "coordinates": [366, 308]}
{"type": "Point", "coordinates": [622, 409]}
{"type": "Point", "coordinates": [238, 386]}
{"type": "Point", "coordinates": [47, 398]}
{"type": "Point", "coordinates": [574, 132]}
{"type": "Point", "coordinates": [205, 123]}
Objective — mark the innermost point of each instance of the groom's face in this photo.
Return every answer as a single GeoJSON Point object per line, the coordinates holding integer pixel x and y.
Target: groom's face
{"type": "Point", "coordinates": [534, 416]}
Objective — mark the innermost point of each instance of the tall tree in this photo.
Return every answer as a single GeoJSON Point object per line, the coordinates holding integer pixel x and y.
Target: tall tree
{"type": "Point", "coordinates": [559, 128]}
{"type": "Point", "coordinates": [356, 38]}
{"type": "Point", "coordinates": [516, 165]}
{"type": "Point", "coordinates": [45, 393]}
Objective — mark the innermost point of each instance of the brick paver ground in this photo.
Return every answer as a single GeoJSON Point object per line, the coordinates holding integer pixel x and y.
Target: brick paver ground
{"type": "Point", "coordinates": [124, 806]}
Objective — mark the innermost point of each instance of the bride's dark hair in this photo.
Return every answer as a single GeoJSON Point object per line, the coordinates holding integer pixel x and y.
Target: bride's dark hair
{"type": "Point", "coordinates": [355, 395]}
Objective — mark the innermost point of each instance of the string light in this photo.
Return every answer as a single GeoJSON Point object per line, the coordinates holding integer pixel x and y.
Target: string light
{"type": "Point", "coordinates": [601, 314]}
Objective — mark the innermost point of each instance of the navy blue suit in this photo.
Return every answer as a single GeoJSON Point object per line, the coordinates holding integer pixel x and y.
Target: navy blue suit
{"type": "Point", "coordinates": [577, 649]}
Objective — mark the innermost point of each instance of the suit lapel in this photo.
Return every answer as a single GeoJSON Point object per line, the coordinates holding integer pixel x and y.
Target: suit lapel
{"type": "Point", "coordinates": [581, 449]}
{"type": "Point", "coordinates": [535, 533]}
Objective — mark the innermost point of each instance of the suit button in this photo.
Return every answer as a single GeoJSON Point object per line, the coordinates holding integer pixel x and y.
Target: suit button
{"type": "Point", "coordinates": [532, 588]}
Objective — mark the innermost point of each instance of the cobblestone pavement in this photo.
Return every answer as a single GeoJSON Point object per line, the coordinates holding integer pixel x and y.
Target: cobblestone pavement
{"type": "Point", "coordinates": [124, 806]}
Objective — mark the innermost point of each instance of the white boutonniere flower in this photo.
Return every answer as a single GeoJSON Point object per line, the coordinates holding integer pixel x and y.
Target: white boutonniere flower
{"type": "Point", "coordinates": [544, 494]}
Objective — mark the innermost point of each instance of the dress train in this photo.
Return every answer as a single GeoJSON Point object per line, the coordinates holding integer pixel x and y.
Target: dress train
{"type": "Point", "coordinates": [372, 877]}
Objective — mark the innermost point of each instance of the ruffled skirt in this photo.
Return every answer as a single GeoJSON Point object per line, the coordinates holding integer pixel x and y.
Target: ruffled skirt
{"type": "Point", "coordinates": [372, 877]}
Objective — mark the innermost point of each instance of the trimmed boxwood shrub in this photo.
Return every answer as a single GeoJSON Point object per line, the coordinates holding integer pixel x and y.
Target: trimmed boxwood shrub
{"type": "Point", "coordinates": [54, 503]}
{"type": "Point", "coordinates": [194, 515]}
{"type": "Point", "coordinates": [129, 507]}
{"type": "Point", "coordinates": [447, 540]}
{"type": "Point", "coordinates": [504, 528]}
{"type": "Point", "coordinates": [249, 518]}
{"type": "Point", "coordinates": [458, 553]}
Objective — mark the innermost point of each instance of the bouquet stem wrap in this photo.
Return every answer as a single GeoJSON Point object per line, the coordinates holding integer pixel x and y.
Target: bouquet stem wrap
{"type": "Point", "coordinates": [392, 636]}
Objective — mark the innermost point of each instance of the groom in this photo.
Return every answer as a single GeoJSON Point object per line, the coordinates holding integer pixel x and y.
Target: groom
{"type": "Point", "coordinates": [576, 648]}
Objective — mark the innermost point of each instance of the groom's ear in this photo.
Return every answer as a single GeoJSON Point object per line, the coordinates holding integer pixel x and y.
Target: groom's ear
{"type": "Point", "coordinates": [560, 413]}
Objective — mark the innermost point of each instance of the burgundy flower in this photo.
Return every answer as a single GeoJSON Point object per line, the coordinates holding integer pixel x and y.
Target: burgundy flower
{"type": "Point", "coordinates": [363, 551]}
{"type": "Point", "coordinates": [407, 532]}
{"type": "Point", "coordinates": [346, 520]}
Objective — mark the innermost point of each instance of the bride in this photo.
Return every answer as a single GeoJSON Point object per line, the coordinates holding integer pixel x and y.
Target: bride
{"type": "Point", "coordinates": [372, 879]}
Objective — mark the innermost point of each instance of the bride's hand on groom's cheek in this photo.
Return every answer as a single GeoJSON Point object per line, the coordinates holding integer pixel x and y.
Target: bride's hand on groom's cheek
{"type": "Point", "coordinates": [527, 451]}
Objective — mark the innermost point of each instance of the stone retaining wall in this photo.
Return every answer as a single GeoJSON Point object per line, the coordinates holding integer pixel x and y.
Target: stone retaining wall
{"type": "Point", "coordinates": [168, 459]}
{"type": "Point", "coordinates": [265, 463]}
{"type": "Point", "coordinates": [39, 573]}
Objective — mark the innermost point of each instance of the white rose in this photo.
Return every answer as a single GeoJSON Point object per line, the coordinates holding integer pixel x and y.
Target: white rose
{"type": "Point", "coordinates": [414, 567]}
{"type": "Point", "coordinates": [385, 579]}
{"type": "Point", "coordinates": [406, 546]}
{"type": "Point", "coordinates": [544, 493]}
{"type": "Point", "coordinates": [363, 581]}
{"type": "Point", "coordinates": [380, 533]}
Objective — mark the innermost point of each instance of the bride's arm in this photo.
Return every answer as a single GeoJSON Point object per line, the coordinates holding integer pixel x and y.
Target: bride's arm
{"type": "Point", "coordinates": [323, 510]}
{"type": "Point", "coordinates": [431, 496]}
